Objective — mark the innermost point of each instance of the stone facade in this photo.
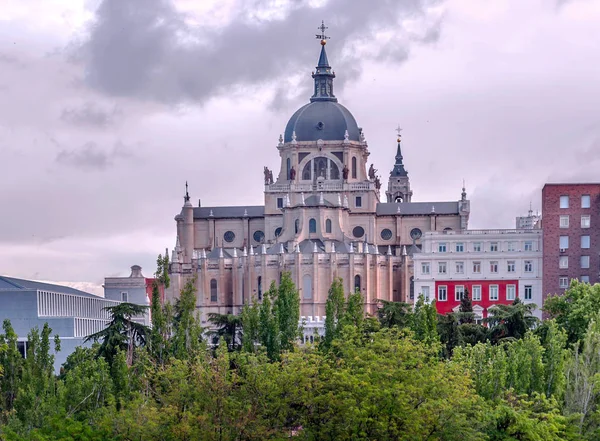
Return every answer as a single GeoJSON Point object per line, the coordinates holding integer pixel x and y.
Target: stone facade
{"type": "Point", "coordinates": [570, 211]}
{"type": "Point", "coordinates": [322, 218]}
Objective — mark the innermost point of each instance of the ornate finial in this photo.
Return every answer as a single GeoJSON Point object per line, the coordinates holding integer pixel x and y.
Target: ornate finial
{"type": "Point", "coordinates": [398, 130]}
{"type": "Point", "coordinates": [398, 210]}
{"type": "Point", "coordinates": [235, 252]}
{"type": "Point", "coordinates": [333, 247]}
{"type": "Point", "coordinates": [322, 35]}
{"type": "Point", "coordinates": [186, 198]}
{"type": "Point", "coordinates": [389, 250]}
{"type": "Point", "coordinates": [315, 249]}
{"type": "Point", "coordinates": [211, 214]}
{"type": "Point", "coordinates": [280, 140]}
{"type": "Point", "coordinates": [302, 198]}
{"type": "Point", "coordinates": [245, 252]}
{"type": "Point", "coordinates": [346, 136]}
{"type": "Point", "coordinates": [281, 250]}
{"type": "Point", "coordinates": [294, 137]}
{"type": "Point", "coordinates": [351, 250]}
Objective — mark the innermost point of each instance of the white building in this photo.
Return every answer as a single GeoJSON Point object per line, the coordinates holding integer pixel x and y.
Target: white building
{"type": "Point", "coordinates": [495, 266]}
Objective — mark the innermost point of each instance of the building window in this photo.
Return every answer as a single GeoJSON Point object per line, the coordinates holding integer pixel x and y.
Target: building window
{"type": "Point", "coordinates": [459, 292]}
{"type": "Point", "coordinates": [460, 267]}
{"type": "Point", "coordinates": [354, 167]}
{"type": "Point", "coordinates": [477, 247]}
{"type": "Point", "coordinates": [563, 282]}
{"type": "Point", "coordinates": [288, 164]}
{"type": "Point", "coordinates": [386, 234]}
{"type": "Point", "coordinates": [564, 202]}
{"type": "Point", "coordinates": [564, 221]}
{"type": "Point", "coordinates": [563, 262]}
{"type": "Point", "coordinates": [585, 279]}
{"type": "Point", "coordinates": [442, 293]}
{"type": "Point", "coordinates": [528, 292]}
{"type": "Point", "coordinates": [585, 221]}
{"type": "Point", "coordinates": [586, 201]}
{"type": "Point", "coordinates": [510, 266]}
{"type": "Point", "coordinates": [312, 226]}
{"type": "Point", "coordinates": [460, 247]}
{"type": "Point", "coordinates": [213, 290]}
{"type": "Point", "coordinates": [442, 247]}
{"type": "Point", "coordinates": [585, 262]}
{"type": "Point", "coordinates": [529, 266]}
{"type": "Point", "coordinates": [528, 245]}
{"type": "Point", "coordinates": [585, 241]}
{"type": "Point", "coordinates": [124, 296]}
{"type": "Point", "coordinates": [279, 202]}
{"type": "Point", "coordinates": [278, 231]}
{"type": "Point", "coordinates": [229, 236]}
{"type": "Point", "coordinates": [563, 243]}
{"type": "Point", "coordinates": [511, 292]}
{"type": "Point", "coordinates": [425, 293]}
{"type": "Point", "coordinates": [258, 236]}
{"type": "Point", "coordinates": [328, 226]}
{"type": "Point", "coordinates": [511, 246]}
{"type": "Point", "coordinates": [441, 267]}
{"type": "Point", "coordinates": [358, 231]}
{"type": "Point", "coordinates": [358, 202]}
{"type": "Point", "coordinates": [356, 283]}
{"type": "Point", "coordinates": [493, 292]}
{"type": "Point", "coordinates": [425, 268]}
{"type": "Point", "coordinates": [476, 293]}
{"type": "Point", "coordinates": [493, 266]}
{"type": "Point", "coordinates": [259, 287]}
{"type": "Point", "coordinates": [477, 267]}
{"type": "Point", "coordinates": [297, 226]}
{"type": "Point", "coordinates": [494, 246]}
{"type": "Point", "coordinates": [307, 286]}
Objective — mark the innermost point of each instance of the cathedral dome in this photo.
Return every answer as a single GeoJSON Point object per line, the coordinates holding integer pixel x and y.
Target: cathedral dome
{"type": "Point", "coordinates": [326, 120]}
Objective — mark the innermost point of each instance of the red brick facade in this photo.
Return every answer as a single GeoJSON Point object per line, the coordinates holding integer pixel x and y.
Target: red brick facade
{"type": "Point", "coordinates": [552, 231]}
{"type": "Point", "coordinates": [485, 300]}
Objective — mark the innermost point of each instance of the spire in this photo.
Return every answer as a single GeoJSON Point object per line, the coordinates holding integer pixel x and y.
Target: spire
{"type": "Point", "coordinates": [463, 195]}
{"type": "Point", "coordinates": [399, 166]}
{"type": "Point", "coordinates": [323, 75]}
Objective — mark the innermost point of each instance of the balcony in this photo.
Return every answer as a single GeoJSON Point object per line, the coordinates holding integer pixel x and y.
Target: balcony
{"type": "Point", "coordinates": [319, 186]}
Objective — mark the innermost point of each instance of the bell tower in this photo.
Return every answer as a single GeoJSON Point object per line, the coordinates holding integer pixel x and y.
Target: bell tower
{"type": "Point", "coordinates": [399, 184]}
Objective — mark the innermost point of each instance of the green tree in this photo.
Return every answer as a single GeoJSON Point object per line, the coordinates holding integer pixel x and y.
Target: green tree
{"type": "Point", "coordinates": [122, 333]}
{"type": "Point", "coordinates": [161, 316]}
{"type": "Point", "coordinates": [287, 305]}
{"type": "Point", "coordinates": [334, 310]}
{"type": "Point", "coordinates": [187, 332]}
{"type": "Point", "coordinates": [575, 309]}
{"type": "Point", "coordinates": [554, 341]}
{"type": "Point", "coordinates": [424, 323]}
{"type": "Point", "coordinates": [11, 362]}
{"type": "Point", "coordinates": [269, 324]}
{"type": "Point", "coordinates": [466, 314]}
{"type": "Point", "coordinates": [228, 327]}
{"type": "Point", "coordinates": [250, 326]}
{"type": "Point", "coordinates": [392, 314]}
{"type": "Point", "coordinates": [511, 321]}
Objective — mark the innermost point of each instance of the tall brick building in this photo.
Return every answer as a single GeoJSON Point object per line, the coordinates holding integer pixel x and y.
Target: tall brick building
{"type": "Point", "coordinates": [571, 234]}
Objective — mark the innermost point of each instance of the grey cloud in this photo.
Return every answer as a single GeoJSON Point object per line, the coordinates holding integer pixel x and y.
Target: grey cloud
{"type": "Point", "coordinates": [91, 157]}
{"type": "Point", "coordinates": [90, 115]}
{"type": "Point", "coordinates": [147, 52]}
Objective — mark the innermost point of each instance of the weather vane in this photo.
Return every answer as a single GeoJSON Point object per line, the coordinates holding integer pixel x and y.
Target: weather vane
{"type": "Point", "coordinates": [398, 130]}
{"type": "Point", "coordinates": [322, 35]}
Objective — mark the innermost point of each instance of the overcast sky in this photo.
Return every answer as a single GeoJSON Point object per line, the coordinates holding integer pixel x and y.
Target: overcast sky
{"type": "Point", "coordinates": [106, 109]}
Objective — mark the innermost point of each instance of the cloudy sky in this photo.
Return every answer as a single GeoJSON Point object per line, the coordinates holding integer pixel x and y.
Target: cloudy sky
{"type": "Point", "coordinates": [107, 107]}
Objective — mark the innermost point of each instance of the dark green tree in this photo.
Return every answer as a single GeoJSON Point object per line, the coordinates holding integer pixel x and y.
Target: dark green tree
{"type": "Point", "coordinates": [12, 364]}
{"type": "Point", "coordinates": [250, 326]}
{"type": "Point", "coordinates": [465, 311]}
{"type": "Point", "coordinates": [424, 323]}
{"type": "Point", "coordinates": [392, 314]}
{"type": "Point", "coordinates": [228, 327]}
{"type": "Point", "coordinates": [269, 324]}
{"type": "Point", "coordinates": [160, 314]}
{"type": "Point", "coordinates": [122, 333]}
{"type": "Point", "coordinates": [187, 332]}
{"type": "Point", "coordinates": [287, 305]}
{"type": "Point", "coordinates": [334, 310]}
{"type": "Point", "coordinates": [511, 321]}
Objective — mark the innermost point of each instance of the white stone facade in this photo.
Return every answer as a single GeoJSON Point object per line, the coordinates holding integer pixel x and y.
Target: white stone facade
{"type": "Point", "coordinates": [480, 258]}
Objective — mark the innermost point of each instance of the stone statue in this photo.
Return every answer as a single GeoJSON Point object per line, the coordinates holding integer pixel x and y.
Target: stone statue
{"type": "Point", "coordinates": [345, 172]}
{"type": "Point", "coordinates": [268, 175]}
{"type": "Point", "coordinates": [292, 174]}
{"type": "Point", "coordinates": [377, 183]}
{"type": "Point", "coordinates": [372, 172]}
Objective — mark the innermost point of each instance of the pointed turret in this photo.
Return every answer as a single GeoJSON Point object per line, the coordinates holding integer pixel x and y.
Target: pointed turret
{"type": "Point", "coordinates": [399, 169]}
{"type": "Point", "coordinates": [399, 184]}
{"type": "Point", "coordinates": [323, 74]}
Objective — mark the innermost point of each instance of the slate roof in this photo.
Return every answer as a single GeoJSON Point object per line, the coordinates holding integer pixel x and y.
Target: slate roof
{"type": "Point", "coordinates": [253, 211]}
{"type": "Point", "coordinates": [335, 119]}
{"type": "Point", "coordinates": [313, 201]}
{"type": "Point", "coordinates": [12, 284]}
{"type": "Point", "coordinates": [416, 208]}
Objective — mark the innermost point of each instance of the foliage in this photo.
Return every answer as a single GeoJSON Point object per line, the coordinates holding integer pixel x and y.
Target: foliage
{"type": "Point", "coordinates": [228, 327]}
{"type": "Point", "coordinates": [511, 321]}
{"type": "Point", "coordinates": [392, 314]}
{"type": "Point", "coordinates": [187, 332]}
{"type": "Point", "coordinates": [160, 315]}
{"type": "Point", "coordinates": [575, 309]}
{"type": "Point", "coordinates": [424, 323]}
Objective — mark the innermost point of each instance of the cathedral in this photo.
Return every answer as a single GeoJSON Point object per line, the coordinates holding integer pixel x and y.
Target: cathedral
{"type": "Point", "coordinates": [322, 218]}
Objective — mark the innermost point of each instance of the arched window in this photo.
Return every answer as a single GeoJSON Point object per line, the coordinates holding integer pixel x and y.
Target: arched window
{"type": "Point", "coordinates": [307, 286]}
{"type": "Point", "coordinates": [288, 167]}
{"type": "Point", "coordinates": [412, 288]}
{"type": "Point", "coordinates": [328, 226]}
{"type": "Point", "coordinates": [259, 288]}
{"type": "Point", "coordinates": [297, 226]}
{"type": "Point", "coordinates": [357, 283]}
{"type": "Point", "coordinates": [306, 176]}
{"type": "Point", "coordinates": [312, 226]}
{"type": "Point", "coordinates": [354, 167]}
{"type": "Point", "coordinates": [213, 290]}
